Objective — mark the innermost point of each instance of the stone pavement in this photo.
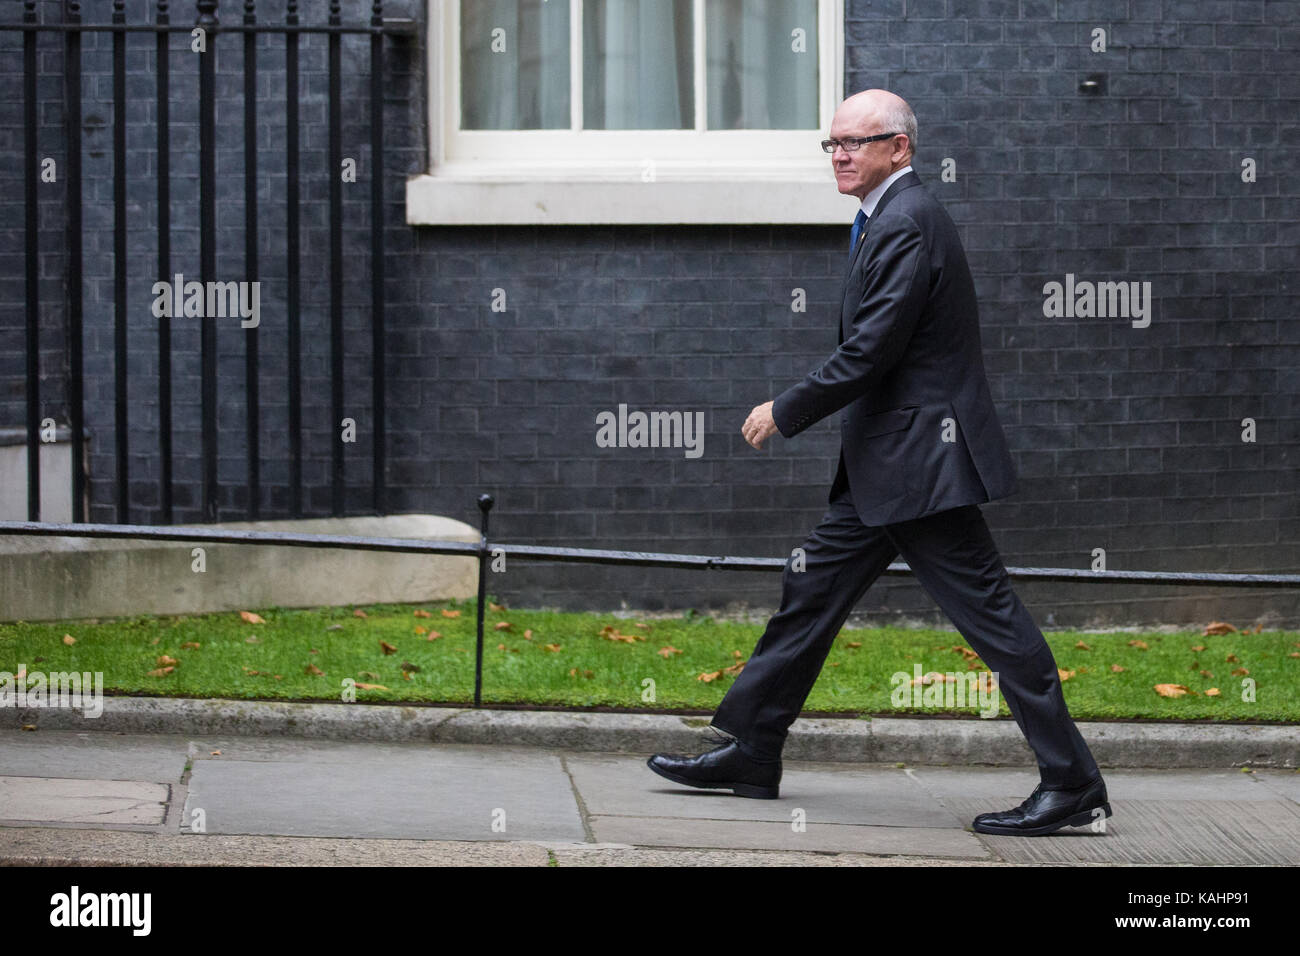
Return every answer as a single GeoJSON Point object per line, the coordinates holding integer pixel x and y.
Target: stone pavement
{"type": "Point", "coordinates": [99, 797]}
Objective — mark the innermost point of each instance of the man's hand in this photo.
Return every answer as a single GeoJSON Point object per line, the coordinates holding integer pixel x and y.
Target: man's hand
{"type": "Point", "coordinates": [759, 426]}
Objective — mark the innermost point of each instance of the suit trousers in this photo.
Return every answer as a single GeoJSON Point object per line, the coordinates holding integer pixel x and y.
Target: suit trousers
{"type": "Point", "coordinates": [952, 556]}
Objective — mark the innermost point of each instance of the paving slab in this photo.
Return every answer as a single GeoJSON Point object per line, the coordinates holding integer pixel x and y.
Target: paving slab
{"type": "Point", "coordinates": [56, 800]}
{"type": "Point", "coordinates": [93, 755]}
{"type": "Point", "coordinates": [613, 785]}
{"type": "Point", "coordinates": [430, 793]}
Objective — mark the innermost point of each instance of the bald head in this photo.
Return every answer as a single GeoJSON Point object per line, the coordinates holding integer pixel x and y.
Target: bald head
{"type": "Point", "coordinates": [864, 115]}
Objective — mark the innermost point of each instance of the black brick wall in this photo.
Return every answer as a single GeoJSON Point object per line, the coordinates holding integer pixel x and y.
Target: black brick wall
{"type": "Point", "coordinates": [1126, 439]}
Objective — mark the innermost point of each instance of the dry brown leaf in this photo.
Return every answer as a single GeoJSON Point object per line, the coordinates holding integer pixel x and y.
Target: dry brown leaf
{"type": "Point", "coordinates": [69, 639]}
{"type": "Point", "coordinates": [252, 618]}
{"type": "Point", "coordinates": [553, 648]}
{"type": "Point", "coordinates": [966, 652]}
{"type": "Point", "coordinates": [421, 630]}
{"type": "Point", "coordinates": [165, 661]}
{"type": "Point", "coordinates": [852, 643]}
{"type": "Point", "coordinates": [528, 634]}
{"type": "Point", "coordinates": [1294, 654]}
{"type": "Point", "coordinates": [362, 686]}
{"type": "Point", "coordinates": [707, 678]}
{"type": "Point", "coordinates": [1212, 692]}
{"type": "Point", "coordinates": [1171, 690]}
{"type": "Point", "coordinates": [495, 607]}
{"type": "Point", "coordinates": [1064, 674]}
{"type": "Point", "coordinates": [433, 635]}
{"type": "Point", "coordinates": [419, 612]}
{"type": "Point", "coordinates": [406, 675]}
{"type": "Point", "coordinates": [835, 663]}
{"type": "Point", "coordinates": [412, 668]}
{"type": "Point", "coordinates": [502, 626]}
{"type": "Point", "coordinates": [501, 647]}
{"type": "Point", "coordinates": [357, 612]}
{"type": "Point", "coordinates": [1218, 627]}
{"type": "Point", "coordinates": [734, 668]}
{"type": "Point", "coordinates": [215, 753]}
{"type": "Point", "coordinates": [1140, 645]}
{"type": "Point", "coordinates": [160, 672]}
{"type": "Point", "coordinates": [668, 651]}
{"type": "Point", "coordinates": [1208, 674]}
{"type": "Point", "coordinates": [313, 671]}
{"type": "Point", "coordinates": [250, 672]}
{"type": "Point", "coordinates": [1240, 672]}
{"type": "Point", "coordinates": [1198, 648]}
{"type": "Point", "coordinates": [387, 648]}
{"type": "Point", "coordinates": [1082, 647]}
{"type": "Point", "coordinates": [1231, 659]}
{"type": "Point", "coordinates": [1116, 669]}
{"type": "Point", "coordinates": [447, 613]}
{"type": "Point", "coordinates": [191, 646]}
{"type": "Point", "coordinates": [29, 726]}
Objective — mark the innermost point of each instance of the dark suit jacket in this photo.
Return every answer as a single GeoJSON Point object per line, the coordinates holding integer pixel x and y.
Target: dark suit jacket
{"type": "Point", "coordinates": [919, 431]}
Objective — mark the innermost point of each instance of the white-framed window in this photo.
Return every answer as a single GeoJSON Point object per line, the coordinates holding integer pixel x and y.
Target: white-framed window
{"type": "Point", "coordinates": [631, 111]}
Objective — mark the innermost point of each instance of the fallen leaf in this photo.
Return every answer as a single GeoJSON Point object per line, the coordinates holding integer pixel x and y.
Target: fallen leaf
{"type": "Point", "coordinates": [408, 666]}
{"type": "Point", "coordinates": [313, 671]}
{"type": "Point", "coordinates": [165, 661]}
{"type": "Point", "coordinates": [447, 613]}
{"type": "Point", "coordinates": [669, 651]}
{"type": "Point", "coordinates": [1198, 648]}
{"type": "Point", "coordinates": [252, 618]}
{"type": "Point", "coordinates": [1212, 692]}
{"type": "Point", "coordinates": [191, 646]}
{"type": "Point", "coordinates": [371, 674]}
{"type": "Point", "coordinates": [1064, 674]}
{"type": "Point", "coordinates": [528, 634]}
{"type": "Point", "coordinates": [406, 675]}
{"type": "Point", "coordinates": [1294, 654]}
{"type": "Point", "coordinates": [29, 726]}
{"type": "Point", "coordinates": [215, 753]}
{"type": "Point", "coordinates": [357, 612]}
{"type": "Point", "coordinates": [1082, 647]}
{"type": "Point", "coordinates": [1207, 674]}
{"type": "Point", "coordinates": [387, 648]}
{"type": "Point", "coordinates": [1231, 659]}
{"type": "Point", "coordinates": [502, 626]}
{"type": "Point", "coordinates": [835, 663]}
{"type": "Point", "coordinates": [966, 652]}
{"type": "Point", "coordinates": [433, 635]}
{"type": "Point", "coordinates": [312, 651]}
{"type": "Point", "coordinates": [250, 672]}
{"type": "Point", "coordinates": [419, 629]}
{"type": "Point", "coordinates": [496, 607]}
{"type": "Point", "coordinates": [160, 672]}
{"type": "Point", "coordinates": [69, 639]}
{"type": "Point", "coordinates": [362, 686]}
{"type": "Point", "coordinates": [1115, 669]}
{"type": "Point", "coordinates": [707, 678]}
{"type": "Point", "coordinates": [419, 612]}
{"type": "Point", "coordinates": [501, 647]}
{"type": "Point", "coordinates": [1219, 627]}
{"type": "Point", "coordinates": [852, 643]}
{"type": "Point", "coordinates": [1171, 690]}
{"type": "Point", "coordinates": [1140, 645]}
{"type": "Point", "coordinates": [551, 647]}
{"type": "Point", "coordinates": [1240, 672]}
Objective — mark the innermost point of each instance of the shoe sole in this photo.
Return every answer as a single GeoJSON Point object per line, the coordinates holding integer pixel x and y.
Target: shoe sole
{"type": "Point", "coordinates": [739, 789]}
{"type": "Point", "coordinates": [1083, 818]}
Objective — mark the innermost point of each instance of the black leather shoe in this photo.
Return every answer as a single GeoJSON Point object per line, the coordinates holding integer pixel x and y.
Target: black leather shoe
{"type": "Point", "coordinates": [726, 768]}
{"type": "Point", "coordinates": [1048, 810]}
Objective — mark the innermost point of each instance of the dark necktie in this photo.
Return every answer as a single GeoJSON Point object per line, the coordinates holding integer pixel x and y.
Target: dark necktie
{"type": "Point", "coordinates": [859, 224]}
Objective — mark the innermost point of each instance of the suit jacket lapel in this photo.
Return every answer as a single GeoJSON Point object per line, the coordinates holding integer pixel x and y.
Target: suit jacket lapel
{"type": "Point", "coordinates": [905, 181]}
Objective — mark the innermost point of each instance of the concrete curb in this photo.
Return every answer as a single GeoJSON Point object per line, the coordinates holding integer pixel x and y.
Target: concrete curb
{"type": "Point", "coordinates": [912, 740]}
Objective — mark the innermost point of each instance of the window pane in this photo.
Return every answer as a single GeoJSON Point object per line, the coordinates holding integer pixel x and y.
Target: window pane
{"type": "Point", "coordinates": [638, 64]}
{"type": "Point", "coordinates": [762, 74]}
{"type": "Point", "coordinates": [514, 64]}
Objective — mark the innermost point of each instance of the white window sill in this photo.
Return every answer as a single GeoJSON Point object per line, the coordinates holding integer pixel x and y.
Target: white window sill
{"type": "Point", "coordinates": [611, 193]}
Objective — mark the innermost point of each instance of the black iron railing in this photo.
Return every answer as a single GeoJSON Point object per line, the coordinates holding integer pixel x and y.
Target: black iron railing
{"type": "Point", "coordinates": [205, 20]}
{"type": "Point", "coordinates": [485, 551]}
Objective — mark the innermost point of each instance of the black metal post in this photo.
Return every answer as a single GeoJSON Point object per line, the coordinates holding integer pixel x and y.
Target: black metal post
{"type": "Point", "coordinates": [484, 506]}
{"type": "Point", "coordinates": [335, 174]}
{"type": "Point", "coordinates": [163, 41]}
{"type": "Point", "coordinates": [72, 126]}
{"type": "Point", "coordinates": [121, 423]}
{"type": "Point", "coordinates": [208, 249]}
{"type": "Point", "coordinates": [32, 185]}
{"type": "Point", "coordinates": [293, 265]}
{"type": "Point", "coordinates": [251, 394]}
{"type": "Point", "coordinates": [377, 354]}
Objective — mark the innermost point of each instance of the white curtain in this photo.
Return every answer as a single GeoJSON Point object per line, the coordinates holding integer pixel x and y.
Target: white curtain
{"type": "Point", "coordinates": [638, 64]}
{"type": "Point", "coordinates": [756, 77]}
{"type": "Point", "coordinates": [524, 86]}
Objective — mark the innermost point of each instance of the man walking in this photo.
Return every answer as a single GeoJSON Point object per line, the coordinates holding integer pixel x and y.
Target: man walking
{"type": "Point", "coordinates": [921, 449]}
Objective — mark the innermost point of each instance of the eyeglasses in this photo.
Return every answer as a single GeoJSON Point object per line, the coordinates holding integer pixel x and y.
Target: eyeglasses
{"type": "Point", "coordinates": [854, 143]}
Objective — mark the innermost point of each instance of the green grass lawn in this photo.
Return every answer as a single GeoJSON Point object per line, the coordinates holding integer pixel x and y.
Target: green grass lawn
{"type": "Point", "coordinates": [564, 659]}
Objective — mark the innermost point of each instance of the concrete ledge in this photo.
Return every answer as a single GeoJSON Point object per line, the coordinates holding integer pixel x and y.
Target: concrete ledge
{"type": "Point", "coordinates": [921, 741]}
{"type": "Point", "coordinates": [49, 578]}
